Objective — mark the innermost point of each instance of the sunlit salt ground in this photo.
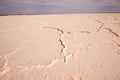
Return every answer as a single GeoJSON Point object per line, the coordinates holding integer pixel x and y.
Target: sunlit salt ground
{"type": "Point", "coordinates": [58, 6]}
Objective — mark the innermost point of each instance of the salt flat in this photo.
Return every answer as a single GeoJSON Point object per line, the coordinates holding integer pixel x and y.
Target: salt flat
{"type": "Point", "coordinates": [60, 47]}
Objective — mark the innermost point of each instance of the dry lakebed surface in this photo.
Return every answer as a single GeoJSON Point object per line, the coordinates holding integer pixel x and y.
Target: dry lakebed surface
{"type": "Point", "coordinates": [60, 47]}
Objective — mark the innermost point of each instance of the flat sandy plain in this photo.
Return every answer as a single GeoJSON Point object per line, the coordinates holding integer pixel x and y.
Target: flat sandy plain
{"type": "Point", "coordinates": [60, 47]}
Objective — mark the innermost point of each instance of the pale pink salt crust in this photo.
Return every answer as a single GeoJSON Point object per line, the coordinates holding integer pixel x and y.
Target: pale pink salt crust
{"type": "Point", "coordinates": [60, 47]}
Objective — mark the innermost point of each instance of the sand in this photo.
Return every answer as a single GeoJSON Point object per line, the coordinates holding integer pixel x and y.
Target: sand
{"type": "Point", "coordinates": [60, 47]}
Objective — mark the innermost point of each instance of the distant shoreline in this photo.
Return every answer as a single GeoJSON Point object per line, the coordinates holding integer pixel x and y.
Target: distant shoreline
{"type": "Point", "coordinates": [60, 13]}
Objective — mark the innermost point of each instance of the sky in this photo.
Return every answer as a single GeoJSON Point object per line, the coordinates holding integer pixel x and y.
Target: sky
{"type": "Point", "coordinates": [58, 6]}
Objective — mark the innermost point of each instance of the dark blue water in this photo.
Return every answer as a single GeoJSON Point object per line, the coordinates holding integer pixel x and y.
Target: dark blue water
{"type": "Point", "coordinates": [58, 6]}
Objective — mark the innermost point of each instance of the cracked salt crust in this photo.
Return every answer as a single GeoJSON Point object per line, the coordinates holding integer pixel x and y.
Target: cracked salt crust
{"type": "Point", "coordinates": [60, 47]}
